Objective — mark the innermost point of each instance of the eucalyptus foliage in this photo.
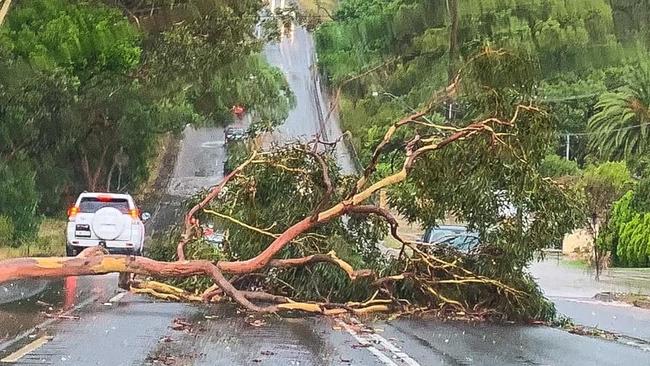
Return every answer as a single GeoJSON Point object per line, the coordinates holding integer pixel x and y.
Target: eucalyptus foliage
{"type": "Point", "coordinates": [272, 197]}
{"type": "Point", "coordinates": [580, 49]}
{"type": "Point", "coordinates": [494, 186]}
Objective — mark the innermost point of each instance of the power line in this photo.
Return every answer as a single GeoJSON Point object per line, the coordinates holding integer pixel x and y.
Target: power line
{"type": "Point", "coordinates": [568, 135]}
{"type": "Point", "coordinates": [603, 132]}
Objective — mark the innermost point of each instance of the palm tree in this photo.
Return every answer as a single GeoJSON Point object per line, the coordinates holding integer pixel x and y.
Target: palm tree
{"type": "Point", "coordinates": [621, 127]}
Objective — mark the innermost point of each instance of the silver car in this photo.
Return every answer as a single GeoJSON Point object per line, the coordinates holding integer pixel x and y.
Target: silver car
{"type": "Point", "coordinates": [454, 236]}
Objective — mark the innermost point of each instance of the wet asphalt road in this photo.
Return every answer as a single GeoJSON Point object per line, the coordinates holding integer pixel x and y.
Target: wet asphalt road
{"type": "Point", "coordinates": [116, 329]}
{"type": "Point", "coordinates": [572, 290]}
{"type": "Point", "coordinates": [135, 330]}
{"type": "Point", "coordinates": [295, 56]}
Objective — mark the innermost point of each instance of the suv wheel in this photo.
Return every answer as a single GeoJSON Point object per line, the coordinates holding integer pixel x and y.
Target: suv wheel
{"type": "Point", "coordinates": [69, 251]}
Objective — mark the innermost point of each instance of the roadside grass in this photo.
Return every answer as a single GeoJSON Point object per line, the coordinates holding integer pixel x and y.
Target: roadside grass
{"type": "Point", "coordinates": [49, 242]}
{"type": "Point", "coordinates": [311, 6]}
{"type": "Point", "coordinates": [390, 242]}
{"type": "Point", "coordinates": [575, 263]}
{"type": "Point", "coordinates": [638, 300]}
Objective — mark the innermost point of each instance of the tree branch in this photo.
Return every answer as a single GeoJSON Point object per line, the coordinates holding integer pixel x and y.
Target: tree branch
{"type": "Point", "coordinates": [189, 223]}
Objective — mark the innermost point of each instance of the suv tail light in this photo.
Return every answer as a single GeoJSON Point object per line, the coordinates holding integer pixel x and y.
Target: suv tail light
{"type": "Point", "coordinates": [72, 212]}
{"type": "Point", "coordinates": [134, 213]}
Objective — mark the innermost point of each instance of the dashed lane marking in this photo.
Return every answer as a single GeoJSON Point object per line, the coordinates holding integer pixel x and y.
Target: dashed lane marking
{"type": "Point", "coordinates": [368, 340]}
{"type": "Point", "coordinates": [213, 144]}
{"type": "Point", "coordinates": [14, 357]}
{"type": "Point", "coordinates": [117, 297]}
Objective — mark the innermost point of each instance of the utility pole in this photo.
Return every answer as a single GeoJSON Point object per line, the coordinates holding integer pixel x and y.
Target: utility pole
{"type": "Point", "coordinates": [568, 145]}
{"type": "Point", "coordinates": [4, 10]}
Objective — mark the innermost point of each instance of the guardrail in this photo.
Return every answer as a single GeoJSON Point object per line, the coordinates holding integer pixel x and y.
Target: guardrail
{"type": "Point", "coordinates": [549, 252]}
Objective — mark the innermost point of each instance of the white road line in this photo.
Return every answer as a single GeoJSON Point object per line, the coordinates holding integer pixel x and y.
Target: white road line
{"type": "Point", "coordinates": [595, 302]}
{"type": "Point", "coordinates": [397, 353]}
{"type": "Point", "coordinates": [367, 345]}
{"type": "Point", "coordinates": [394, 350]}
{"type": "Point", "coordinates": [117, 297]}
{"type": "Point", "coordinates": [14, 357]}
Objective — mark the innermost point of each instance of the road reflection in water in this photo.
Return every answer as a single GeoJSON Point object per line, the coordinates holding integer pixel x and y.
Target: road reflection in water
{"type": "Point", "coordinates": [24, 304]}
{"type": "Point", "coordinates": [70, 291]}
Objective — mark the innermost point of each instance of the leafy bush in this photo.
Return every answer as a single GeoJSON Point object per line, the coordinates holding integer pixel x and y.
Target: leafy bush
{"type": "Point", "coordinates": [556, 166]}
{"type": "Point", "coordinates": [628, 233]}
{"type": "Point", "coordinates": [18, 198]}
{"type": "Point", "coordinates": [641, 201]}
{"type": "Point", "coordinates": [7, 230]}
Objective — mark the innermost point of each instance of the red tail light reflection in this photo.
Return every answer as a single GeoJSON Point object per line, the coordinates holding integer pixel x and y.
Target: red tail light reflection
{"type": "Point", "coordinates": [69, 292]}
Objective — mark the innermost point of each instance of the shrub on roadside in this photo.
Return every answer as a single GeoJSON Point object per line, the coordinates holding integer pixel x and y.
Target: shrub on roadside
{"type": "Point", "coordinates": [7, 230]}
{"type": "Point", "coordinates": [628, 233]}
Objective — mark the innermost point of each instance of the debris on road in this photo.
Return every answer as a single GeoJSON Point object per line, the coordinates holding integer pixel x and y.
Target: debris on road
{"type": "Point", "coordinates": [638, 300]}
{"type": "Point", "coordinates": [165, 339]}
{"type": "Point", "coordinates": [43, 303]}
{"type": "Point", "coordinates": [61, 316]}
{"type": "Point", "coordinates": [180, 324]}
{"type": "Point", "coordinates": [257, 322]}
{"type": "Point", "coordinates": [592, 332]}
{"type": "Point", "coordinates": [165, 359]}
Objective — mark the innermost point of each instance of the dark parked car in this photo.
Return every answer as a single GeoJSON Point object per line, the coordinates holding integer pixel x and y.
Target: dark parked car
{"type": "Point", "coordinates": [235, 133]}
{"type": "Point", "coordinates": [454, 236]}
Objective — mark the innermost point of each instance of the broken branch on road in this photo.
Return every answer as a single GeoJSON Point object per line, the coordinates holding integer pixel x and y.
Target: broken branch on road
{"type": "Point", "coordinates": [325, 209]}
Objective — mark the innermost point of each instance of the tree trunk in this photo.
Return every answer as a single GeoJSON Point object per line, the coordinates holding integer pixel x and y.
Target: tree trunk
{"type": "Point", "coordinates": [110, 177]}
{"type": "Point", "coordinates": [452, 8]}
{"type": "Point", "coordinates": [92, 178]}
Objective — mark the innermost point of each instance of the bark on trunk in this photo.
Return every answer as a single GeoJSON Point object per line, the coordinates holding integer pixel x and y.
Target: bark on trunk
{"type": "Point", "coordinates": [92, 178]}
{"type": "Point", "coordinates": [453, 39]}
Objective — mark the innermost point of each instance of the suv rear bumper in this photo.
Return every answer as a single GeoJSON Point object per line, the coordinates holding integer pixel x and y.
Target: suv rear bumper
{"type": "Point", "coordinates": [113, 246]}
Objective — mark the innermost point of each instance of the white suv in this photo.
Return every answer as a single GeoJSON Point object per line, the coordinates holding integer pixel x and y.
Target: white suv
{"type": "Point", "coordinates": [107, 219]}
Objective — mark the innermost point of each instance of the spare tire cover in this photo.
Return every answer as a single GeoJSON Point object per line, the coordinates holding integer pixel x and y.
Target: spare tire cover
{"type": "Point", "coordinates": [108, 223]}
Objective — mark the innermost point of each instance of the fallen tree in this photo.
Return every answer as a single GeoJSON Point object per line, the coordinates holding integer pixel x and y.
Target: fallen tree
{"type": "Point", "coordinates": [493, 282]}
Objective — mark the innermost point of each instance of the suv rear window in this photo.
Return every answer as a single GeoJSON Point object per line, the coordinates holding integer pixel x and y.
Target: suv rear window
{"type": "Point", "coordinates": [93, 204]}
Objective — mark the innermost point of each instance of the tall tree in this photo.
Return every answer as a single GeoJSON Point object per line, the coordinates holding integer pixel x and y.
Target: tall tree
{"type": "Point", "coordinates": [621, 127]}
{"type": "Point", "coordinates": [452, 9]}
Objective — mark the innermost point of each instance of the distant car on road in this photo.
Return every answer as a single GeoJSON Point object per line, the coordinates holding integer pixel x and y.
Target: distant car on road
{"type": "Point", "coordinates": [214, 237]}
{"type": "Point", "coordinates": [235, 133]}
{"type": "Point", "coordinates": [454, 236]}
{"type": "Point", "coordinates": [108, 219]}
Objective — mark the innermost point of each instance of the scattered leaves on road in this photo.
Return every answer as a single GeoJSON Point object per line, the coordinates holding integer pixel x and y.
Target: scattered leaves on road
{"type": "Point", "coordinates": [257, 323]}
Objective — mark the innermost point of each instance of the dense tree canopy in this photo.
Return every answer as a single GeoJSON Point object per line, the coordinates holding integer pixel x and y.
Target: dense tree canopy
{"type": "Point", "coordinates": [579, 60]}
{"type": "Point", "coordinates": [578, 49]}
{"type": "Point", "coordinates": [89, 87]}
